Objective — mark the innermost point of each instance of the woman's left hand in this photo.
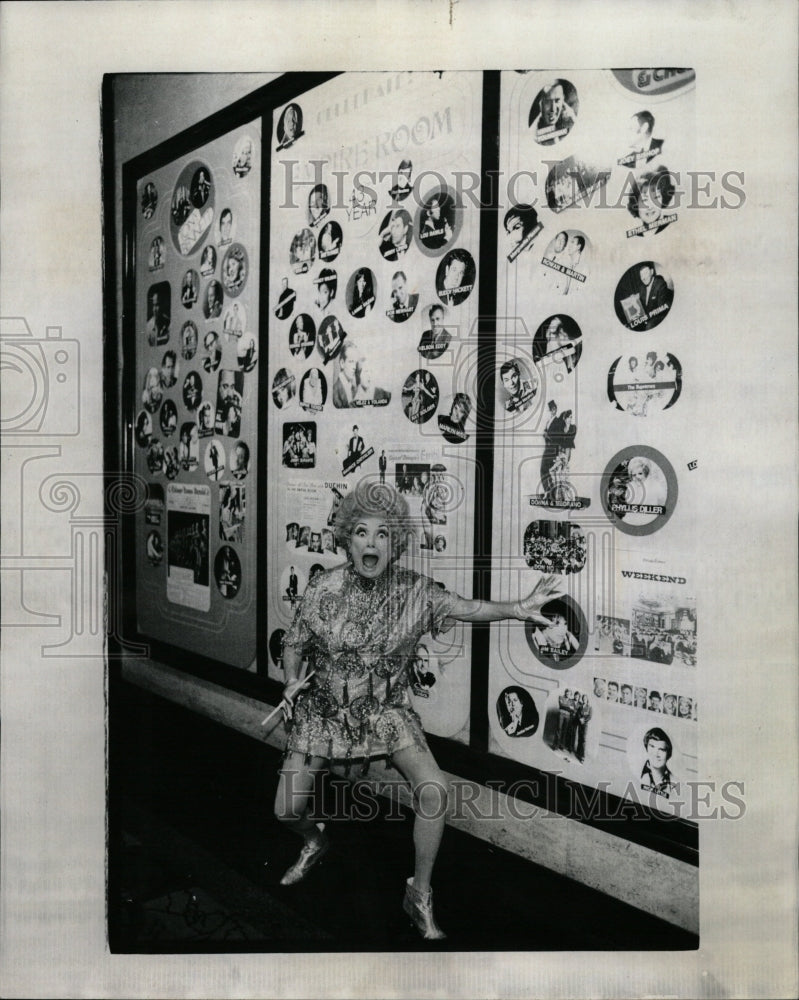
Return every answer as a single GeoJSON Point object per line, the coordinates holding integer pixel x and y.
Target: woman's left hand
{"type": "Point", "coordinates": [546, 589]}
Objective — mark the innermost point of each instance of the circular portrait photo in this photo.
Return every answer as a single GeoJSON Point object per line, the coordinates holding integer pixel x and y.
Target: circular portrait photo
{"type": "Point", "coordinates": [518, 386]}
{"type": "Point", "coordinates": [243, 156]}
{"type": "Point", "coordinates": [649, 201]}
{"type": "Point", "coordinates": [149, 200]}
{"type": "Point", "coordinates": [234, 270]}
{"type": "Point", "coordinates": [226, 231]}
{"type": "Point", "coordinates": [189, 447]}
{"type": "Point", "coordinates": [215, 461]}
{"type": "Point", "coordinates": [521, 228]}
{"type": "Point", "coordinates": [396, 233]}
{"type": "Point", "coordinates": [644, 383]}
{"type": "Point", "coordinates": [436, 338]}
{"type": "Point", "coordinates": [403, 301]}
{"type": "Point", "coordinates": [302, 336]}
{"type": "Point", "coordinates": [191, 212]}
{"type": "Point", "coordinates": [558, 342]}
{"type": "Point", "coordinates": [284, 388]}
{"type": "Point", "coordinates": [205, 419]}
{"type": "Point", "coordinates": [247, 352]}
{"type": "Point", "coordinates": [565, 262]}
{"type": "Point", "coordinates": [189, 288]}
{"type": "Point", "coordinates": [641, 141]}
{"type": "Point", "coordinates": [157, 255]}
{"type": "Point", "coordinates": [313, 390]}
{"type": "Point", "coordinates": [571, 727]}
{"type": "Point", "coordinates": [516, 712]}
{"type": "Point", "coordinates": [189, 339]}
{"type": "Point", "coordinates": [420, 395]}
{"type": "Point", "coordinates": [639, 490]}
{"type": "Point", "coordinates": [553, 113]}
{"type": "Point", "coordinates": [555, 547]}
{"type": "Point", "coordinates": [240, 460]}
{"type": "Point", "coordinates": [234, 322]}
{"type": "Point", "coordinates": [213, 300]}
{"type": "Point", "coordinates": [643, 296]}
{"type": "Point", "coordinates": [361, 293]}
{"type": "Point", "coordinates": [169, 370]}
{"type": "Point", "coordinates": [143, 429]}
{"type": "Point", "coordinates": [330, 339]}
{"type": "Point", "coordinates": [318, 205]}
{"type": "Point", "coordinates": [159, 310]}
{"type": "Point", "coordinates": [402, 186]}
{"type": "Point", "coordinates": [154, 548]}
{"type": "Point", "coordinates": [152, 392]}
{"type": "Point", "coordinates": [229, 396]}
{"type": "Point", "coordinates": [453, 426]}
{"type": "Point", "coordinates": [168, 418]}
{"type": "Point", "coordinates": [303, 251]}
{"type": "Point", "coordinates": [171, 463]}
{"type": "Point", "coordinates": [455, 277]}
{"type": "Point", "coordinates": [289, 126]}
{"type": "Point", "coordinates": [212, 346]}
{"type": "Point", "coordinates": [438, 221]}
{"type": "Point", "coordinates": [330, 240]}
{"type": "Point", "coordinates": [208, 260]}
{"type": "Point", "coordinates": [227, 571]}
{"type": "Point", "coordinates": [561, 640]}
{"type": "Point", "coordinates": [285, 300]}
{"type": "Point", "coordinates": [192, 391]}
{"type": "Point", "coordinates": [155, 457]}
{"type": "Point", "coordinates": [276, 647]}
{"type": "Point", "coordinates": [326, 283]}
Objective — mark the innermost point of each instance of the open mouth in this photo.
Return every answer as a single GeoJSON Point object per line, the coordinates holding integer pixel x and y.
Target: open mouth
{"type": "Point", "coordinates": [370, 561]}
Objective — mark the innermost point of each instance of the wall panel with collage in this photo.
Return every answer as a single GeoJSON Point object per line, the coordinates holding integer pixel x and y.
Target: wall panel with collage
{"type": "Point", "coordinates": [197, 267]}
{"type": "Point", "coordinates": [373, 268]}
{"type": "Point", "coordinates": [592, 458]}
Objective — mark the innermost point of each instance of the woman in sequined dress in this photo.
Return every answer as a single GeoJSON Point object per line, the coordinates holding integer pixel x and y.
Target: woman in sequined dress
{"type": "Point", "coordinates": [358, 626]}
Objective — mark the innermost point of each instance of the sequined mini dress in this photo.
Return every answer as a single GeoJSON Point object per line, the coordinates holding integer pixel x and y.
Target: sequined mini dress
{"type": "Point", "coordinates": [359, 637]}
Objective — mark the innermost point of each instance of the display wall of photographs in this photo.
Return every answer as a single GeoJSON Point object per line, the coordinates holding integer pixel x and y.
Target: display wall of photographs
{"type": "Point", "coordinates": [591, 269]}
{"type": "Point", "coordinates": [372, 293]}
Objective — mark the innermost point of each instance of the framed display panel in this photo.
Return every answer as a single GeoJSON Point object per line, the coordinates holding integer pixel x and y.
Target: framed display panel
{"type": "Point", "coordinates": [373, 345]}
{"type": "Point", "coordinates": [195, 366]}
{"type": "Point", "coordinates": [591, 468]}
{"type": "Point", "coordinates": [382, 303]}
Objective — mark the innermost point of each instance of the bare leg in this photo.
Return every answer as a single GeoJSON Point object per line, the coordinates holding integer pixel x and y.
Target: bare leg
{"type": "Point", "coordinates": [429, 789]}
{"type": "Point", "coordinates": [294, 794]}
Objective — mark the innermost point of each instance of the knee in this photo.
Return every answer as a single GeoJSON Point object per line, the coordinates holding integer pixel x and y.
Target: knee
{"type": "Point", "coordinates": [289, 807]}
{"type": "Point", "coordinates": [431, 799]}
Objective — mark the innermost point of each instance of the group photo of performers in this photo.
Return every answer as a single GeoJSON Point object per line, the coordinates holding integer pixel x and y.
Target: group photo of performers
{"type": "Point", "coordinates": [555, 547]}
{"type": "Point", "coordinates": [641, 384]}
{"type": "Point", "coordinates": [567, 725]}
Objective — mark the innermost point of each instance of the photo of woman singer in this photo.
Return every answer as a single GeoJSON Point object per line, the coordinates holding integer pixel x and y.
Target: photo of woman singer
{"type": "Point", "coordinates": [360, 624]}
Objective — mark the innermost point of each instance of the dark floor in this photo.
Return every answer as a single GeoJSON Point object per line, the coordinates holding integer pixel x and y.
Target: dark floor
{"type": "Point", "coordinates": [195, 857]}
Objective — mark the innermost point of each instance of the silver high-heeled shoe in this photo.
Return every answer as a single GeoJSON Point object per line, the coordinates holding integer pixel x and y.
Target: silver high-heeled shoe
{"type": "Point", "coordinates": [311, 852]}
{"type": "Point", "coordinates": [419, 907]}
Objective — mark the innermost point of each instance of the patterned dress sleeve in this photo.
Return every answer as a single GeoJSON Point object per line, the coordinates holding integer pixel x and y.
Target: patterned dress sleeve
{"type": "Point", "coordinates": [439, 602]}
{"type": "Point", "coordinates": [300, 631]}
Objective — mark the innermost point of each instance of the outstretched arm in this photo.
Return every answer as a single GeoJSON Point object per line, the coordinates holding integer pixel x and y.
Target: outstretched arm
{"type": "Point", "coordinates": [527, 609]}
